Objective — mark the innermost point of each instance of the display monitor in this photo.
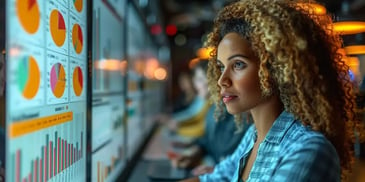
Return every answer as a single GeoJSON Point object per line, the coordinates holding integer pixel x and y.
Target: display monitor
{"type": "Point", "coordinates": [108, 89]}
{"type": "Point", "coordinates": [46, 62]}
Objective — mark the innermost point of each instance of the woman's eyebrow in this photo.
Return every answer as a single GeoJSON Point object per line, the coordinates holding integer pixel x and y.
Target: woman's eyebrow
{"type": "Point", "coordinates": [237, 55]}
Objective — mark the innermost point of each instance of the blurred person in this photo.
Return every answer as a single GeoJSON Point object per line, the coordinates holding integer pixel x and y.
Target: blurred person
{"type": "Point", "coordinates": [188, 93]}
{"type": "Point", "coordinates": [279, 61]}
{"type": "Point", "coordinates": [190, 122]}
{"type": "Point", "coordinates": [220, 140]}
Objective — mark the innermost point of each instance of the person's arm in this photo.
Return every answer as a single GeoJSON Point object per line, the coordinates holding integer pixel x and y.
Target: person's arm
{"type": "Point", "coordinates": [193, 109]}
{"type": "Point", "coordinates": [312, 159]}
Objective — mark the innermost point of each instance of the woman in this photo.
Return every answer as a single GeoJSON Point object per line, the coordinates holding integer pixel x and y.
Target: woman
{"type": "Point", "coordinates": [279, 61]}
{"type": "Point", "coordinates": [220, 137]}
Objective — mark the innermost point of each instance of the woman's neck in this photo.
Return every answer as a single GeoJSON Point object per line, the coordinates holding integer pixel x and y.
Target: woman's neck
{"type": "Point", "coordinates": [265, 114]}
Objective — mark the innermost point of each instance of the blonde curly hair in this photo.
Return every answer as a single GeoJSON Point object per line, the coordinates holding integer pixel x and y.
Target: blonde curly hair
{"type": "Point", "coordinates": [299, 61]}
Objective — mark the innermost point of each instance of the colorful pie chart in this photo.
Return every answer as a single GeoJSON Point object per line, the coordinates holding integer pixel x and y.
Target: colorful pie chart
{"type": "Point", "coordinates": [78, 5]}
{"type": "Point", "coordinates": [58, 80]}
{"type": "Point", "coordinates": [28, 15]}
{"type": "Point", "coordinates": [77, 38]}
{"type": "Point", "coordinates": [29, 77]}
{"type": "Point", "coordinates": [57, 27]}
{"type": "Point", "coordinates": [78, 81]}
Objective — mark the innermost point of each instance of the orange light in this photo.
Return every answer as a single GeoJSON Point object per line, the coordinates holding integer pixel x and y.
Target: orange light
{"type": "Point", "coordinates": [349, 27]}
{"type": "Point", "coordinates": [108, 64]}
{"type": "Point", "coordinates": [352, 61]}
{"type": "Point", "coordinates": [150, 67]}
{"type": "Point", "coordinates": [355, 49]}
{"type": "Point", "coordinates": [313, 8]}
{"type": "Point", "coordinates": [204, 53]}
{"type": "Point", "coordinates": [193, 62]}
{"type": "Point", "coordinates": [123, 65]}
{"type": "Point", "coordinates": [160, 74]}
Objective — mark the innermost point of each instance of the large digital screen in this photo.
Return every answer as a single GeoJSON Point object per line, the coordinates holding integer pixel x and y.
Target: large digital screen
{"type": "Point", "coordinates": [46, 90]}
{"type": "Point", "coordinates": [108, 88]}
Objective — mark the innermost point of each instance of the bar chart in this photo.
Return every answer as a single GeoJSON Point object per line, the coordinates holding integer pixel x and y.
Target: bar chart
{"type": "Point", "coordinates": [58, 154]}
{"type": "Point", "coordinates": [107, 169]}
{"type": "Point", "coordinates": [55, 156]}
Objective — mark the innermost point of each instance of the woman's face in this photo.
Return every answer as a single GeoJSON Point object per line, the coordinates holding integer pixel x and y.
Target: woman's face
{"type": "Point", "coordinates": [239, 80]}
{"type": "Point", "coordinates": [200, 82]}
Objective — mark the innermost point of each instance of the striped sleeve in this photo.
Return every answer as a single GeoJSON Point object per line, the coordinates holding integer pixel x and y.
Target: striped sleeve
{"type": "Point", "coordinates": [311, 159]}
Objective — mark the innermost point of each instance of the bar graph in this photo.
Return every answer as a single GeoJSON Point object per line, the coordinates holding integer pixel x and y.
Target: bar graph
{"type": "Point", "coordinates": [55, 156]}
{"type": "Point", "coordinates": [50, 148]}
{"type": "Point", "coordinates": [108, 168]}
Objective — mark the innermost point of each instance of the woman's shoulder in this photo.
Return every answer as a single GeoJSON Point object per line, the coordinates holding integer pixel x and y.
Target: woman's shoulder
{"type": "Point", "coordinates": [300, 137]}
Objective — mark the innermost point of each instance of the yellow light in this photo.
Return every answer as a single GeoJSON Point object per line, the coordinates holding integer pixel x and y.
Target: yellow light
{"type": "Point", "coordinates": [108, 64]}
{"type": "Point", "coordinates": [355, 49]}
{"type": "Point", "coordinates": [317, 8]}
{"type": "Point", "coordinates": [352, 61]}
{"type": "Point", "coordinates": [204, 53]}
{"type": "Point", "coordinates": [150, 66]}
{"type": "Point", "coordinates": [349, 27]}
{"type": "Point", "coordinates": [160, 73]}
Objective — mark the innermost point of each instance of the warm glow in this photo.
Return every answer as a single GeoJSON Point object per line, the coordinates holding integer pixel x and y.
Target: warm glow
{"type": "Point", "coordinates": [160, 73]}
{"type": "Point", "coordinates": [193, 62]}
{"type": "Point", "coordinates": [123, 65]}
{"type": "Point", "coordinates": [204, 53]}
{"type": "Point", "coordinates": [355, 49]}
{"type": "Point", "coordinates": [317, 8]}
{"type": "Point", "coordinates": [108, 64]}
{"type": "Point", "coordinates": [349, 27]}
{"type": "Point", "coordinates": [151, 66]}
{"type": "Point", "coordinates": [351, 61]}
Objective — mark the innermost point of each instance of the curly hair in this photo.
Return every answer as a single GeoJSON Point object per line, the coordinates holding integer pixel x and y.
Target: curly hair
{"type": "Point", "coordinates": [299, 61]}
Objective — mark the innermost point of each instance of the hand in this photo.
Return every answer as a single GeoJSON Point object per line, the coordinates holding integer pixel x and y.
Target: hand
{"type": "Point", "coordinates": [202, 170]}
{"type": "Point", "coordinates": [188, 161]}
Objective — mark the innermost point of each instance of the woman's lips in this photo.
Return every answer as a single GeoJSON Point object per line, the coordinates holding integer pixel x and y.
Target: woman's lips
{"type": "Point", "coordinates": [227, 99]}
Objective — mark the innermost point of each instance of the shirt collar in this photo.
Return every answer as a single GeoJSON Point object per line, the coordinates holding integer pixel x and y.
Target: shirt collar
{"type": "Point", "coordinates": [280, 127]}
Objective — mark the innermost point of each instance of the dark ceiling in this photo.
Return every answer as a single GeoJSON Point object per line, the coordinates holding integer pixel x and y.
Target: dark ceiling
{"type": "Point", "coordinates": [194, 19]}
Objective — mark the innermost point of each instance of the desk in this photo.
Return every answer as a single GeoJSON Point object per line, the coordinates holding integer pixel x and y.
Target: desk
{"type": "Point", "coordinates": [156, 149]}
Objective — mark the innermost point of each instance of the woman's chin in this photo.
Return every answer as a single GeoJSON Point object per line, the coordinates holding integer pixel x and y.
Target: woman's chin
{"type": "Point", "coordinates": [233, 111]}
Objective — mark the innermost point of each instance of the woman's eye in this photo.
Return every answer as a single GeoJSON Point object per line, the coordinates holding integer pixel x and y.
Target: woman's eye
{"type": "Point", "coordinates": [239, 65]}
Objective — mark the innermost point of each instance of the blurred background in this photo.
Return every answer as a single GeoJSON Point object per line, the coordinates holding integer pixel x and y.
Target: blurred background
{"type": "Point", "coordinates": [133, 79]}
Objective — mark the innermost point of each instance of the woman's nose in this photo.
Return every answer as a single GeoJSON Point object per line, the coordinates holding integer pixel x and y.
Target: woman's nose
{"type": "Point", "coordinates": [224, 80]}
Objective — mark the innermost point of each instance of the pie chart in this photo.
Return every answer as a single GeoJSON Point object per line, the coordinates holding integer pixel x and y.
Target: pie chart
{"type": "Point", "coordinates": [58, 80]}
{"type": "Point", "coordinates": [28, 15]}
{"type": "Point", "coordinates": [57, 27]}
{"type": "Point", "coordinates": [28, 77]}
{"type": "Point", "coordinates": [78, 5]}
{"type": "Point", "coordinates": [77, 38]}
{"type": "Point", "coordinates": [77, 81]}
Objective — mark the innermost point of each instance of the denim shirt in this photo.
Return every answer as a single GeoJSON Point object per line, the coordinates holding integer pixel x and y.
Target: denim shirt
{"type": "Point", "coordinates": [289, 152]}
